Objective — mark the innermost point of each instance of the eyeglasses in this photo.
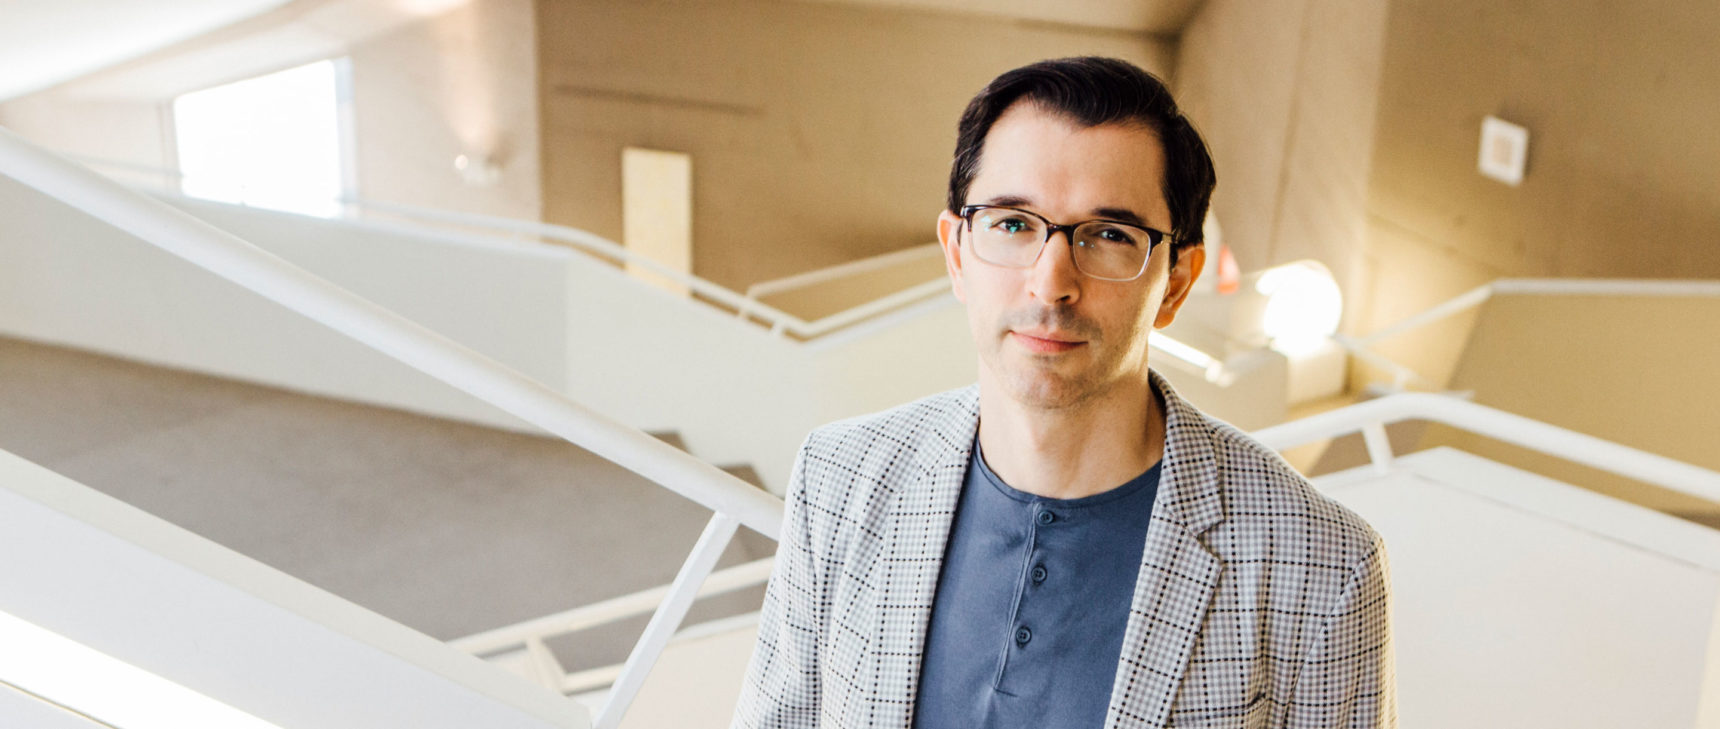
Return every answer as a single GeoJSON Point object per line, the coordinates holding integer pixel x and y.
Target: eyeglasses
{"type": "Point", "coordinates": [1103, 249]}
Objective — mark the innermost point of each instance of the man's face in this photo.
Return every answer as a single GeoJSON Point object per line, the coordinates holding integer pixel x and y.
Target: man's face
{"type": "Point", "coordinates": [1049, 336]}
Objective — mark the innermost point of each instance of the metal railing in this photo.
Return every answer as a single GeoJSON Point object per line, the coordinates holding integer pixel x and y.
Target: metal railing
{"type": "Point", "coordinates": [746, 306]}
{"type": "Point", "coordinates": [527, 639]}
{"type": "Point", "coordinates": [733, 502]}
{"type": "Point", "coordinates": [1370, 419]}
{"type": "Point", "coordinates": [844, 270]}
{"type": "Point", "coordinates": [1362, 347]}
{"type": "Point", "coordinates": [883, 311]}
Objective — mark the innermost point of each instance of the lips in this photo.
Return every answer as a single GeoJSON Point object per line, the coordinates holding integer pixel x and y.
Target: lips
{"type": "Point", "coordinates": [1045, 342]}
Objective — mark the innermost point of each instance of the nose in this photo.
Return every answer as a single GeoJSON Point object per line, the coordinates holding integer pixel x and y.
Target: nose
{"type": "Point", "coordinates": [1054, 278]}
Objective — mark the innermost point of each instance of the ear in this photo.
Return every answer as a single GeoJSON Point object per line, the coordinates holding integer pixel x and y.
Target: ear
{"type": "Point", "coordinates": [1181, 282]}
{"type": "Point", "coordinates": [949, 236]}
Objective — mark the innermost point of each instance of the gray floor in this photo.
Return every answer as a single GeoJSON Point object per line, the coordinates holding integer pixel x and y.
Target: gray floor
{"type": "Point", "coordinates": [446, 527]}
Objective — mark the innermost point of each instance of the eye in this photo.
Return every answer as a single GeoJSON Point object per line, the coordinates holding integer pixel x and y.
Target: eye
{"type": "Point", "coordinates": [1114, 235]}
{"type": "Point", "coordinates": [1011, 225]}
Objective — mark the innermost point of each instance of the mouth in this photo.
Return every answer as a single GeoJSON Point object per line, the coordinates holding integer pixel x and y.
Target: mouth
{"type": "Point", "coordinates": [1045, 342]}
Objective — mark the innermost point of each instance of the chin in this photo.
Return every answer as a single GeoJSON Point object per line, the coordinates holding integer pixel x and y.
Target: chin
{"type": "Point", "coordinates": [1046, 391]}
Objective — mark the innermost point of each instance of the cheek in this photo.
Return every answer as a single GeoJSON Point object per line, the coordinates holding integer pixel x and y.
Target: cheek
{"type": "Point", "coordinates": [1132, 318]}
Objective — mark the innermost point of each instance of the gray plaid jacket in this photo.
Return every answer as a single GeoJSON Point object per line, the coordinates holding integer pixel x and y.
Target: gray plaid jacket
{"type": "Point", "coordinates": [1259, 602]}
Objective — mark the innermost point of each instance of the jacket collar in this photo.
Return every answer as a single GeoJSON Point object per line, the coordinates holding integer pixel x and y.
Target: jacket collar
{"type": "Point", "coordinates": [1188, 488]}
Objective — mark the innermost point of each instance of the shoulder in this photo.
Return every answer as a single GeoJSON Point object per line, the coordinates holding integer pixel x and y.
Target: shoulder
{"type": "Point", "coordinates": [902, 438]}
{"type": "Point", "coordinates": [849, 472]}
{"type": "Point", "coordinates": [1264, 495]}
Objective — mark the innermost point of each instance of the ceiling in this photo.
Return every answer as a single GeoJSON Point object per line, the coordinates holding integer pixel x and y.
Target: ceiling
{"type": "Point", "coordinates": [1143, 16]}
{"type": "Point", "coordinates": [46, 44]}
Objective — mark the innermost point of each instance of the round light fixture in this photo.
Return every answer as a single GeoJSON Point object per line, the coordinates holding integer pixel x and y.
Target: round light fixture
{"type": "Point", "coordinates": [1303, 306]}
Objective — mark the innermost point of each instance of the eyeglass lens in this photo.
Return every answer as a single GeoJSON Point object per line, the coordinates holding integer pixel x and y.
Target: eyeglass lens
{"type": "Point", "coordinates": [1014, 238]}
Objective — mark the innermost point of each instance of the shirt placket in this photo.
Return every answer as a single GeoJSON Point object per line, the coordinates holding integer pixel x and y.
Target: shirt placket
{"type": "Point", "coordinates": [1017, 654]}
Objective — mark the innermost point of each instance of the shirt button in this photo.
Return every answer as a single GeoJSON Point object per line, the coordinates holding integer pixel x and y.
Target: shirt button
{"type": "Point", "coordinates": [1022, 635]}
{"type": "Point", "coordinates": [1039, 573]}
{"type": "Point", "coordinates": [1046, 517]}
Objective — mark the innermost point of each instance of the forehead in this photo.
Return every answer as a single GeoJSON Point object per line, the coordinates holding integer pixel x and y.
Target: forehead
{"type": "Point", "coordinates": [1064, 169]}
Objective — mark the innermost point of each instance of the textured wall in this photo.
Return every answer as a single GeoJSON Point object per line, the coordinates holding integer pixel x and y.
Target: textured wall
{"type": "Point", "coordinates": [463, 82]}
{"type": "Point", "coordinates": [819, 133]}
{"type": "Point", "coordinates": [1285, 93]}
{"type": "Point", "coordinates": [1621, 102]}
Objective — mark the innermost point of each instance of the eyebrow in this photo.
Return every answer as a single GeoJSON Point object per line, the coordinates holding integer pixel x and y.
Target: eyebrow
{"type": "Point", "coordinates": [1122, 215]}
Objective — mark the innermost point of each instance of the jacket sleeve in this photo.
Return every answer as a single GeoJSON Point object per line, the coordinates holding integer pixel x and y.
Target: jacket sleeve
{"type": "Point", "coordinates": [1349, 677]}
{"type": "Point", "coordinates": [781, 689]}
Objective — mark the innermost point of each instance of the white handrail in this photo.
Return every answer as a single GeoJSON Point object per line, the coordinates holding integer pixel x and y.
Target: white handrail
{"type": "Point", "coordinates": [1361, 347]}
{"type": "Point", "coordinates": [875, 307]}
{"type": "Point", "coordinates": [1464, 302]}
{"type": "Point", "coordinates": [1606, 287]}
{"type": "Point", "coordinates": [611, 610]}
{"type": "Point", "coordinates": [530, 636]}
{"type": "Point", "coordinates": [412, 344]}
{"type": "Point", "coordinates": [1545, 287]}
{"type": "Point", "coordinates": [590, 243]}
{"type": "Point", "coordinates": [665, 620]}
{"type": "Point", "coordinates": [1368, 418]}
{"type": "Point", "coordinates": [142, 169]}
{"type": "Point", "coordinates": [842, 270]}
{"type": "Point", "coordinates": [780, 322]}
{"type": "Point", "coordinates": [734, 501]}
{"type": "Point", "coordinates": [1499, 425]}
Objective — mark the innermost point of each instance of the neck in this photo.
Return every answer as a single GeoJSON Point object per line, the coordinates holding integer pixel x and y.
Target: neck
{"type": "Point", "coordinates": [1068, 453]}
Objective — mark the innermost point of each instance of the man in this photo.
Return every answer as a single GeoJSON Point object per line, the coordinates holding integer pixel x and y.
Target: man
{"type": "Point", "coordinates": [1070, 544]}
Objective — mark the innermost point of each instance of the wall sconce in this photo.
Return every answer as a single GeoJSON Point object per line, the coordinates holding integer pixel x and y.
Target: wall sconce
{"type": "Point", "coordinates": [478, 170]}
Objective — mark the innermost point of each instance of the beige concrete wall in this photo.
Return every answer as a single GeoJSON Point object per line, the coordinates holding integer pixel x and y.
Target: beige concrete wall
{"type": "Point", "coordinates": [1635, 370]}
{"type": "Point", "coordinates": [1285, 93]}
{"type": "Point", "coordinates": [463, 82]}
{"type": "Point", "coordinates": [1620, 100]}
{"type": "Point", "coordinates": [819, 133]}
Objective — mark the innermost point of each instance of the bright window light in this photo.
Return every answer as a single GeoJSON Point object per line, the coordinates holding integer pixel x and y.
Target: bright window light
{"type": "Point", "coordinates": [1303, 306]}
{"type": "Point", "coordinates": [271, 141]}
{"type": "Point", "coordinates": [65, 672]}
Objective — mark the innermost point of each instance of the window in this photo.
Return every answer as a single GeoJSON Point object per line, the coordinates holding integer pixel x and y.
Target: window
{"type": "Point", "coordinates": [274, 141]}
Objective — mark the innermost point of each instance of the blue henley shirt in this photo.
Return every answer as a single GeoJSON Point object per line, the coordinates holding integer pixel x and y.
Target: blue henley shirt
{"type": "Point", "coordinates": [1034, 594]}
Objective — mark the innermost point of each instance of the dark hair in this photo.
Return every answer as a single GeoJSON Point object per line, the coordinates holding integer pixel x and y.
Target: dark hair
{"type": "Point", "coordinates": [1092, 91]}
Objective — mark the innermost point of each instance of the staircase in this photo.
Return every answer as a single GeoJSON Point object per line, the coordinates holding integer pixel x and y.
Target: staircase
{"type": "Point", "coordinates": [130, 585]}
{"type": "Point", "coordinates": [447, 528]}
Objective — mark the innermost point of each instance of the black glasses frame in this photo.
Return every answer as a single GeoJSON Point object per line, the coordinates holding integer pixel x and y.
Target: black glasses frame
{"type": "Point", "coordinates": [1154, 236]}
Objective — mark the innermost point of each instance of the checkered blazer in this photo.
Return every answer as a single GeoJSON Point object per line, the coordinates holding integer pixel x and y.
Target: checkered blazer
{"type": "Point", "coordinates": [1259, 602]}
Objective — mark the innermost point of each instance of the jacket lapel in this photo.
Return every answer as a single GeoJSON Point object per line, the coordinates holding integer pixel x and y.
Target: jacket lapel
{"type": "Point", "coordinates": [917, 530]}
{"type": "Point", "coordinates": [1178, 575]}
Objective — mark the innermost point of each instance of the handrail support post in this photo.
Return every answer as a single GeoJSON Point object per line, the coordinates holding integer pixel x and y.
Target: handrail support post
{"type": "Point", "coordinates": [667, 619]}
{"type": "Point", "coordinates": [1379, 446]}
